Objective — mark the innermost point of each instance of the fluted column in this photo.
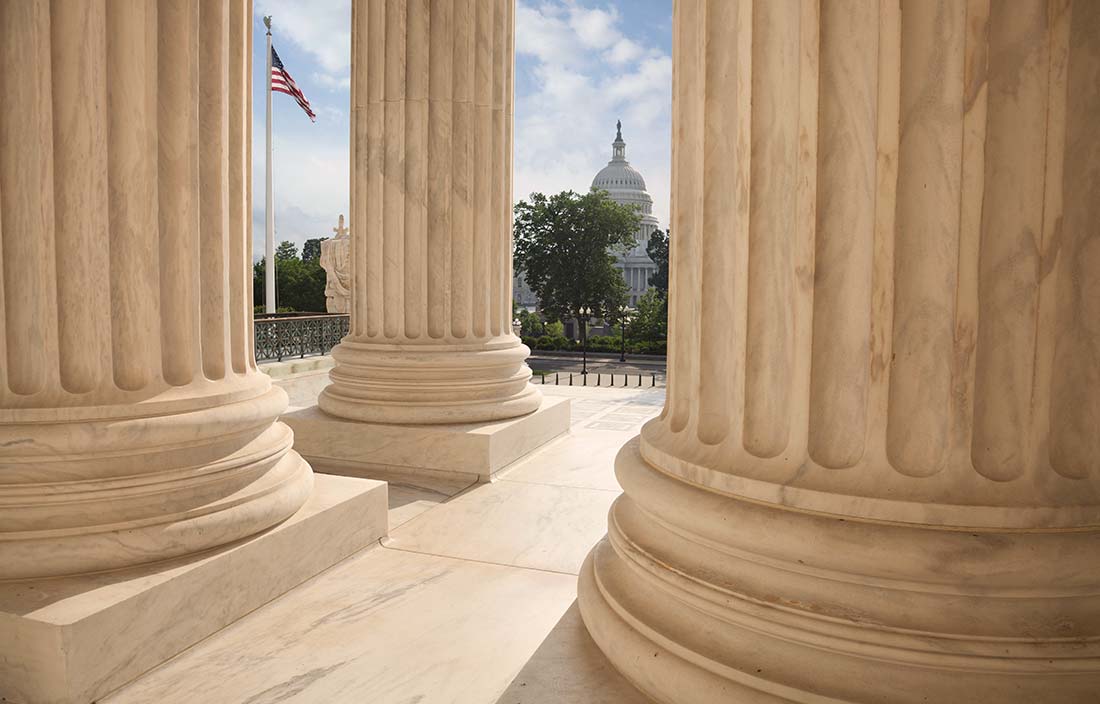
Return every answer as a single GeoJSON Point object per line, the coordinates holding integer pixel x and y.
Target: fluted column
{"type": "Point", "coordinates": [431, 338]}
{"type": "Point", "coordinates": [877, 474]}
{"type": "Point", "coordinates": [134, 425]}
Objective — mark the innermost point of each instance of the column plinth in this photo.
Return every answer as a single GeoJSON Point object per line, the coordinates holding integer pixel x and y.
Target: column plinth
{"type": "Point", "coordinates": [877, 476]}
{"type": "Point", "coordinates": [431, 336]}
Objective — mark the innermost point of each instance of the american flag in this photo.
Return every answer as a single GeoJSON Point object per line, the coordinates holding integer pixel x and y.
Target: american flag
{"type": "Point", "coordinates": [282, 82]}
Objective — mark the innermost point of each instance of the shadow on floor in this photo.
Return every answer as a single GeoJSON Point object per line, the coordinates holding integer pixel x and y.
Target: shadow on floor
{"type": "Point", "coordinates": [569, 667]}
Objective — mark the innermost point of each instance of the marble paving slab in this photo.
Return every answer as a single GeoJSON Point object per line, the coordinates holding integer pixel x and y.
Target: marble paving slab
{"type": "Point", "coordinates": [512, 523]}
{"type": "Point", "coordinates": [408, 501]}
{"type": "Point", "coordinates": [569, 667]}
{"type": "Point", "coordinates": [583, 461]}
{"type": "Point", "coordinates": [302, 389]}
{"type": "Point", "coordinates": [409, 495]}
{"type": "Point", "coordinates": [385, 627]}
{"type": "Point", "coordinates": [585, 458]}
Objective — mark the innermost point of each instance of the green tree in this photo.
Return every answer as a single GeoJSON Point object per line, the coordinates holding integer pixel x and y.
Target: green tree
{"type": "Point", "coordinates": [285, 252]}
{"type": "Point", "coordinates": [530, 324]}
{"type": "Point", "coordinates": [657, 249]}
{"type": "Point", "coordinates": [650, 322]}
{"type": "Point", "coordinates": [299, 285]}
{"type": "Point", "coordinates": [564, 247]}
{"type": "Point", "coordinates": [311, 250]}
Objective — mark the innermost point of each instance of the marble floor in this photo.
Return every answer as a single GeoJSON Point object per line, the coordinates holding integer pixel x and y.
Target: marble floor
{"type": "Point", "coordinates": [471, 598]}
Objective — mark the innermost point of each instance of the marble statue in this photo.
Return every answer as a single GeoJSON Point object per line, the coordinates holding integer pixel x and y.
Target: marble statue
{"type": "Point", "coordinates": [336, 261]}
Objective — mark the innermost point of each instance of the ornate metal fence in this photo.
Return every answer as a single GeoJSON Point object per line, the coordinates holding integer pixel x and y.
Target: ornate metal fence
{"type": "Point", "coordinates": [299, 336]}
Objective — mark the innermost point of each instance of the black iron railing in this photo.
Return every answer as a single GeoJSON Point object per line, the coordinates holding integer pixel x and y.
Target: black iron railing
{"type": "Point", "coordinates": [299, 336]}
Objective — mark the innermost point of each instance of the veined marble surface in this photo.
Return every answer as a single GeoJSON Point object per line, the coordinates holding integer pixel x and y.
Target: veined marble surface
{"type": "Point", "coordinates": [513, 523]}
{"type": "Point", "coordinates": [386, 626]}
{"type": "Point", "coordinates": [471, 601]}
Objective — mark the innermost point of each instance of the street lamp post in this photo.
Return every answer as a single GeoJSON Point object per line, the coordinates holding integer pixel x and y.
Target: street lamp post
{"type": "Point", "coordinates": [624, 316]}
{"type": "Point", "coordinates": [582, 317]}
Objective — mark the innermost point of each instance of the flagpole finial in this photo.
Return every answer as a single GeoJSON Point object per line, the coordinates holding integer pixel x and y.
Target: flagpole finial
{"type": "Point", "coordinates": [267, 23]}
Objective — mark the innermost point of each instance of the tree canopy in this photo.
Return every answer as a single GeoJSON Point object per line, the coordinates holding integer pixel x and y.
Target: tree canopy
{"type": "Point", "coordinates": [565, 246]}
{"type": "Point", "coordinates": [299, 284]}
{"type": "Point", "coordinates": [311, 249]}
{"type": "Point", "coordinates": [657, 249]}
{"type": "Point", "coordinates": [650, 321]}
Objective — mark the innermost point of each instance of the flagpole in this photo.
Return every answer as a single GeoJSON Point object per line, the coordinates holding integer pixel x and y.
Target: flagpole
{"type": "Point", "coordinates": [269, 267]}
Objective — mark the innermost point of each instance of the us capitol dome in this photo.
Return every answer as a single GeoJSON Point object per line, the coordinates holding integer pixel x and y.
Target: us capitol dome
{"type": "Point", "coordinates": [626, 186]}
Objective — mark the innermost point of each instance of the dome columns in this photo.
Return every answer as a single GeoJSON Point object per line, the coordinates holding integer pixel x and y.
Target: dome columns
{"type": "Point", "coordinates": [876, 476]}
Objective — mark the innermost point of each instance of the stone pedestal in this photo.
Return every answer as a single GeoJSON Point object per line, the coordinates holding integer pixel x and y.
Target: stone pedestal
{"type": "Point", "coordinates": [468, 451]}
{"type": "Point", "coordinates": [134, 425]}
{"type": "Point", "coordinates": [877, 475]}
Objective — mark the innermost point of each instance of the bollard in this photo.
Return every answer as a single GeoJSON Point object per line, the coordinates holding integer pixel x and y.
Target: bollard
{"type": "Point", "coordinates": [557, 378]}
{"type": "Point", "coordinates": [570, 379]}
{"type": "Point", "coordinates": [597, 379]}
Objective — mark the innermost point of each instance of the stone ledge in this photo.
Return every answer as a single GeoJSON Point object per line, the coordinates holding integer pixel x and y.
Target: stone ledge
{"type": "Point", "coordinates": [471, 451]}
{"type": "Point", "coordinates": [71, 640]}
{"type": "Point", "coordinates": [290, 367]}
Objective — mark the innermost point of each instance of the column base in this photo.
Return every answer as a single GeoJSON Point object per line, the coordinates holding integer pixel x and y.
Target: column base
{"type": "Point", "coordinates": [472, 451]}
{"type": "Point", "coordinates": [70, 640]}
{"type": "Point", "coordinates": [442, 384]}
{"type": "Point", "coordinates": [727, 600]}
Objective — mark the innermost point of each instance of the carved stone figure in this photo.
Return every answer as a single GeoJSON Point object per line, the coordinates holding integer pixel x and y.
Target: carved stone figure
{"type": "Point", "coordinates": [336, 261]}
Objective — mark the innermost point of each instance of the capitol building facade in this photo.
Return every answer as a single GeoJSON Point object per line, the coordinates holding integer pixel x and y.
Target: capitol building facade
{"type": "Point", "coordinates": [625, 186]}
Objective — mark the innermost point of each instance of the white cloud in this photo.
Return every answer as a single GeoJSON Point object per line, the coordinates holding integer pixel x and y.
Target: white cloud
{"type": "Point", "coordinates": [583, 73]}
{"type": "Point", "coordinates": [321, 28]}
{"type": "Point", "coordinates": [594, 27]}
{"type": "Point", "coordinates": [333, 83]}
{"type": "Point", "coordinates": [310, 188]}
{"type": "Point", "coordinates": [624, 51]}
{"type": "Point", "coordinates": [545, 33]}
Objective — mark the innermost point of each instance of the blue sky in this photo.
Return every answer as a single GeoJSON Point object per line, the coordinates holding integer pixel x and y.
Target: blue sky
{"type": "Point", "coordinates": [580, 65]}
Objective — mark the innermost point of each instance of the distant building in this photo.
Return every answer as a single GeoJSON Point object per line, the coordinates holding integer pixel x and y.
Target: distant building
{"type": "Point", "coordinates": [626, 187]}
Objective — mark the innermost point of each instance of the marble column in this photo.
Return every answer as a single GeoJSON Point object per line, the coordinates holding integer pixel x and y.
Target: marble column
{"type": "Point", "coordinates": [134, 426]}
{"type": "Point", "coordinates": [877, 474]}
{"type": "Point", "coordinates": [431, 336]}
